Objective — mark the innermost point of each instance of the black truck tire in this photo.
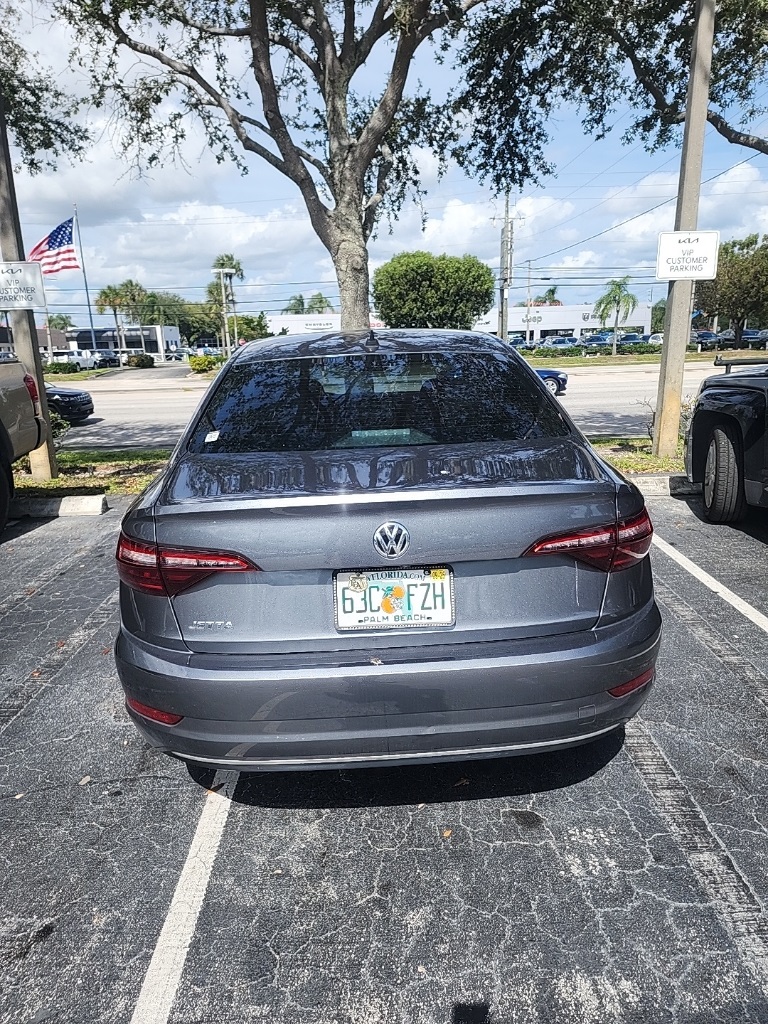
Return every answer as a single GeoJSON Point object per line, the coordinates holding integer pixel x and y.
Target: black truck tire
{"type": "Point", "coordinates": [723, 489]}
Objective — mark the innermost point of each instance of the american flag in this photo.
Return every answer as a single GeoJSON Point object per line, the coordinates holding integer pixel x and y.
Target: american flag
{"type": "Point", "coordinates": [56, 252]}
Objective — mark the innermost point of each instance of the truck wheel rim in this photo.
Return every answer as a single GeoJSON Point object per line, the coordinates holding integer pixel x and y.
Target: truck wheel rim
{"type": "Point", "coordinates": [709, 474]}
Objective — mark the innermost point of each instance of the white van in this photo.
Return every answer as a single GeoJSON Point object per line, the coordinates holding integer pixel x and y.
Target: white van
{"type": "Point", "coordinates": [82, 358]}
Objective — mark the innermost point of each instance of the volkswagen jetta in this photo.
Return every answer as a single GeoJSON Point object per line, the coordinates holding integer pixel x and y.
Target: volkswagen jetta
{"type": "Point", "coordinates": [378, 547]}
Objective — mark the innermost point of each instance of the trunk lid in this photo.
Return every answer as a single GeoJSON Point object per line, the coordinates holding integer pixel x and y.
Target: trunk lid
{"type": "Point", "coordinates": [303, 517]}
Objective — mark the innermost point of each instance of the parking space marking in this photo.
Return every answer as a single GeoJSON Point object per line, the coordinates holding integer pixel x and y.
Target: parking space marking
{"type": "Point", "coordinates": [17, 699]}
{"type": "Point", "coordinates": [714, 585]}
{"type": "Point", "coordinates": [716, 645]}
{"type": "Point", "coordinates": [727, 888]}
{"type": "Point", "coordinates": [161, 981]}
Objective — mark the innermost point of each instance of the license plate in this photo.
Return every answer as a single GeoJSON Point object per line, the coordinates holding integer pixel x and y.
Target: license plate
{"type": "Point", "coordinates": [394, 598]}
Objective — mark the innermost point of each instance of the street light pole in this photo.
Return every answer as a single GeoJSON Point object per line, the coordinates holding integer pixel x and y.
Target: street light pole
{"type": "Point", "coordinates": [229, 272]}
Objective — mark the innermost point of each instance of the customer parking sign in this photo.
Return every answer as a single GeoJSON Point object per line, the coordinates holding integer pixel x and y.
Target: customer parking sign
{"type": "Point", "coordinates": [687, 255]}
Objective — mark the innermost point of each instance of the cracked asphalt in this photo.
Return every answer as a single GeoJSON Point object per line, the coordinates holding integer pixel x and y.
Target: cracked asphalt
{"type": "Point", "coordinates": [624, 881]}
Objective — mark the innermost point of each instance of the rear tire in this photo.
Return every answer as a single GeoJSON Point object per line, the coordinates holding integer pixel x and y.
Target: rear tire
{"type": "Point", "coordinates": [77, 367]}
{"type": "Point", "coordinates": [551, 385]}
{"type": "Point", "coordinates": [723, 489]}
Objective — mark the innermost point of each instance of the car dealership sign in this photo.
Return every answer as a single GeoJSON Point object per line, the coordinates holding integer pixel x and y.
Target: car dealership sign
{"type": "Point", "coordinates": [686, 255]}
{"type": "Point", "coordinates": [21, 286]}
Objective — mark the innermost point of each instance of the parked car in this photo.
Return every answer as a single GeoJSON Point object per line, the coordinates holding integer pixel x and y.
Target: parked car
{"type": "Point", "coordinates": [82, 359]}
{"type": "Point", "coordinates": [560, 342]}
{"type": "Point", "coordinates": [762, 339]}
{"type": "Point", "coordinates": [555, 380]}
{"type": "Point", "coordinates": [383, 547]}
{"type": "Point", "coordinates": [72, 404]}
{"type": "Point", "coordinates": [633, 338]}
{"type": "Point", "coordinates": [105, 359]}
{"type": "Point", "coordinates": [707, 339]}
{"type": "Point", "coordinates": [727, 338]}
{"type": "Point", "coordinates": [22, 427]}
{"type": "Point", "coordinates": [726, 448]}
{"type": "Point", "coordinates": [7, 357]}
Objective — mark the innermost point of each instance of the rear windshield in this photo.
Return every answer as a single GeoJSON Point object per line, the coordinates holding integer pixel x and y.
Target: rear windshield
{"type": "Point", "coordinates": [369, 401]}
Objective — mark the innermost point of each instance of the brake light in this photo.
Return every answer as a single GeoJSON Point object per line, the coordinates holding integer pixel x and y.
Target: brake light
{"type": "Point", "coordinates": [31, 386]}
{"type": "Point", "coordinates": [154, 569]}
{"type": "Point", "coordinates": [611, 547]}
{"type": "Point", "coordinates": [633, 684]}
{"type": "Point", "coordinates": [153, 714]}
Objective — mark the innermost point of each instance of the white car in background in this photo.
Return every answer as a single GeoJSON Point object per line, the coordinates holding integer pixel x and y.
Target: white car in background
{"type": "Point", "coordinates": [83, 359]}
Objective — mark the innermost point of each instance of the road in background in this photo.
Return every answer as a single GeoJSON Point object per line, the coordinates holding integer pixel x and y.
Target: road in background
{"type": "Point", "coordinates": [150, 408]}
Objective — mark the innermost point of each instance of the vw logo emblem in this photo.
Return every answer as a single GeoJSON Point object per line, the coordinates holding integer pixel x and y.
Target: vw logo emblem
{"type": "Point", "coordinates": [391, 540]}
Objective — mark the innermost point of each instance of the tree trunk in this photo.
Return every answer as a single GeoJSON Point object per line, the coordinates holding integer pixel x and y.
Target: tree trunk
{"type": "Point", "coordinates": [616, 331]}
{"type": "Point", "coordinates": [349, 252]}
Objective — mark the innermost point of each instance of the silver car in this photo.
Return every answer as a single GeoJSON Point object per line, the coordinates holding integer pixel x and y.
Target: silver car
{"type": "Point", "coordinates": [383, 547]}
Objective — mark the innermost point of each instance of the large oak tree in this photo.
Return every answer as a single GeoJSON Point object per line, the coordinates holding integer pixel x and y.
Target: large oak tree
{"type": "Point", "coordinates": [318, 89]}
{"type": "Point", "coordinates": [315, 89]}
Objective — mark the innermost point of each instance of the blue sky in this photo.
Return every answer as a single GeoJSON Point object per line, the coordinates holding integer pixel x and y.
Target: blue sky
{"type": "Point", "coordinates": [164, 230]}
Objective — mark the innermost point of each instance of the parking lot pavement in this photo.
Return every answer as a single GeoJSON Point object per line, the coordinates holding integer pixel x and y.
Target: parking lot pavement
{"type": "Point", "coordinates": [622, 881]}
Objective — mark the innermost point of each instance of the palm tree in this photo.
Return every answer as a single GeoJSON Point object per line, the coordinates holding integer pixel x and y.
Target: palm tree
{"type": "Point", "coordinates": [318, 304]}
{"type": "Point", "coordinates": [548, 298]}
{"type": "Point", "coordinates": [112, 298]}
{"type": "Point", "coordinates": [134, 302]}
{"type": "Point", "coordinates": [617, 301]}
{"type": "Point", "coordinates": [296, 305]}
{"type": "Point", "coordinates": [60, 322]}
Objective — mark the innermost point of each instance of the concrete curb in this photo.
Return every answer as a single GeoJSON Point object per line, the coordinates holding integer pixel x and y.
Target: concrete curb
{"type": "Point", "coordinates": [656, 484]}
{"type": "Point", "coordinates": [52, 508]}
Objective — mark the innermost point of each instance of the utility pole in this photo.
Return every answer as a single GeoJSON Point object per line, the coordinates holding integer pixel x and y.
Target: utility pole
{"type": "Point", "coordinates": [221, 271]}
{"type": "Point", "coordinates": [504, 278]}
{"type": "Point", "coordinates": [528, 305]}
{"type": "Point", "coordinates": [677, 323]}
{"type": "Point", "coordinates": [43, 459]}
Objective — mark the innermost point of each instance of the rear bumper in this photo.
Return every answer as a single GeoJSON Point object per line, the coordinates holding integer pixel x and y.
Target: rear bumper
{"type": "Point", "coordinates": [471, 700]}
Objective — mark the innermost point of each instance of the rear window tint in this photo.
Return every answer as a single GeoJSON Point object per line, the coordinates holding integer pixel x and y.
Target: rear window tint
{"type": "Point", "coordinates": [375, 400]}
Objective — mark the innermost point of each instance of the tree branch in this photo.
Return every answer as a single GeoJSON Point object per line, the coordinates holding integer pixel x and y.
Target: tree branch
{"type": "Point", "coordinates": [372, 205]}
{"type": "Point", "coordinates": [735, 135]}
{"type": "Point", "coordinates": [295, 167]}
{"type": "Point", "coordinates": [214, 30]}
{"type": "Point", "coordinates": [217, 99]}
{"type": "Point", "coordinates": [280, 39]}
{"type": "Point", "coordinates": [305, 155]}
{"type": "Point", "coordinates": [348, 40]}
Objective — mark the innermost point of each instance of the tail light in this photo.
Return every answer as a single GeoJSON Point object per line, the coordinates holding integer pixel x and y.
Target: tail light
{"type": "Point", "coordinates": [612, 547]}
{"type": "Point", "coordinates": [153, 714]}
{"type": "Point", "coordinates": [633, 684]}
{"type": "Point", "coordinates": [156, 569]}
{"type": "Point", "coordinates": [31, 386]}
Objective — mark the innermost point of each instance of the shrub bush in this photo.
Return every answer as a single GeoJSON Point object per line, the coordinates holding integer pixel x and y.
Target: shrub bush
{"type": "Point", "coordinates": [640, 349]}
{"type": "Point", "coordinates": [203, 364]}
{"type": "Point", "coordinates": [557, 353]}
{"type": "Point", "coordinates": [142, 362]}
{"type": "Point", "coordinates": [60, 368]}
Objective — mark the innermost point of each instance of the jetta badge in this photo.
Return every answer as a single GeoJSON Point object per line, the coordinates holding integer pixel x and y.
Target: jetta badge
{"type": "Point", "coordinates": [391, 540]}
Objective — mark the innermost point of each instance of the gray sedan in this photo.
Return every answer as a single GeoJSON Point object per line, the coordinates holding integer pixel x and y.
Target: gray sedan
{"type": "Point", "coordinates": [383, 547]}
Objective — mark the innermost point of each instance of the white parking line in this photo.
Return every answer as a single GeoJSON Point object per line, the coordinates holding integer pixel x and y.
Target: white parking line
{"type": "Point", "coordinates": [714, 585]}
{"type": "Point", "coordinates": [164, 973]}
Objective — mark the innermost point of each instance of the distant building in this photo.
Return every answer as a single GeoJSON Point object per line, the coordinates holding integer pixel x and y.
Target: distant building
{"type": "Point", "coordinates": [154, 339]}
{"type": "Point", "coordinates": [306, 323]}
{"type": "Point", "coordinates": [549, 321]}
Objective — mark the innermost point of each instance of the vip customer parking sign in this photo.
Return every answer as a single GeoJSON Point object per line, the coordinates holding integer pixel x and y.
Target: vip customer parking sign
{"type": "Point", "coordinates": [687, 255]}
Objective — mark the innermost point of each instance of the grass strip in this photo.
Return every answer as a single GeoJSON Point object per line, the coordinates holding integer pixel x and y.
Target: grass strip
{"type": "Point", "coordinates": [94, 471]}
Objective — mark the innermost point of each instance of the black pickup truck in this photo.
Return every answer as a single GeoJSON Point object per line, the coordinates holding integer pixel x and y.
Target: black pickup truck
{"type": "Point", "coordinates": [726, 445]}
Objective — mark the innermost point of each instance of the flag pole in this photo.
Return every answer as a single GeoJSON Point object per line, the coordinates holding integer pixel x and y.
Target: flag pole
{"type": "Point", "coordinates": [48, 326]}
{"type": "Point", "coordinates": [85, 279]}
